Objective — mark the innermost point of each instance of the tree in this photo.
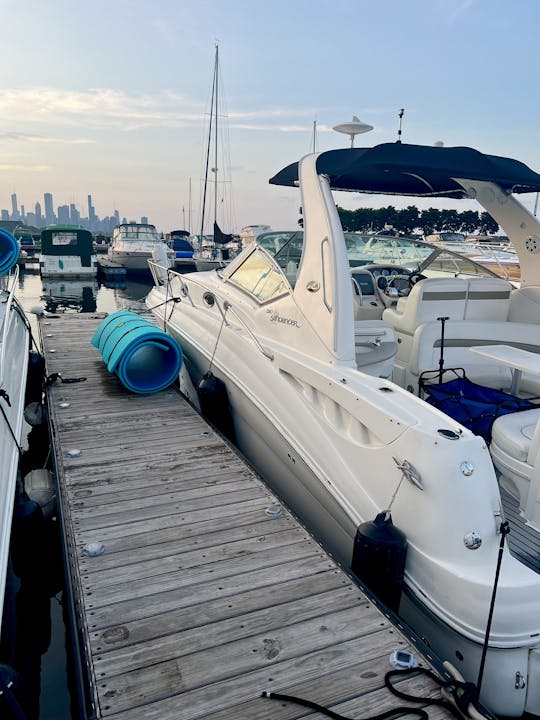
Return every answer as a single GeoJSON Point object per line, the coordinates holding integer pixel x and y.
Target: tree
{"type": "Point", "coordinates": [488, 226]}
{"type": "Point", "coordinates": [407, 219]}
{"type": "Point", "coordinates": [470, 221]}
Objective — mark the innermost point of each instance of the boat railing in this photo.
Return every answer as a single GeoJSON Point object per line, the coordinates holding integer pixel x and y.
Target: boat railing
{"type": "Point", "coordinates": [8, 288]}
{"type": "Point", "coordinates": [158, 275]}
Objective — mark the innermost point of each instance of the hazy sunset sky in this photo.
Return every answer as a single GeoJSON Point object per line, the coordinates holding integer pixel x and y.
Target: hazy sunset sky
{"type": "Point", "coordinates": [111, 97]}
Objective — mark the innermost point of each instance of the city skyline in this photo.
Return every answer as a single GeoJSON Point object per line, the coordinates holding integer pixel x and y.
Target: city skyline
{"type": "Point", "coordinates": [67, 213]}
{"type": "Point", "coordinates": [126, 116]}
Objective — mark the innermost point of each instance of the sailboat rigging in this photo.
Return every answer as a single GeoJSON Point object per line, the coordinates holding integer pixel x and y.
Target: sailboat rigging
{"type": "Point", "coordinates": [219, 236]}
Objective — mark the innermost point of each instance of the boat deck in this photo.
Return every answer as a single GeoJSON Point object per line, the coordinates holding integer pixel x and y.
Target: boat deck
{"type": "Point", "coordinates": [208, 592]}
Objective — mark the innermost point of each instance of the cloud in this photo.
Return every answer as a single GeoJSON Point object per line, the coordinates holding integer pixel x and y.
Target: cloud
{"type": "Point", "coordinates": [41, 139]}
{"type": "Point", "coordinates": [23, 168]}
{"type": "Point", "coordinates": [107, 108]}
{"type": "Point", "coordinates": [456, 10]}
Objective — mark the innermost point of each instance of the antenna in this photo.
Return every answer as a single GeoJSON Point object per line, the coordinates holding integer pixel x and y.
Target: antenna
{"type": "Point", "coordinates": [401, 113]}
{"type": "Point", "coordinates": [353, 128]}
{"type": "Point", "coordinates": [314, 136]}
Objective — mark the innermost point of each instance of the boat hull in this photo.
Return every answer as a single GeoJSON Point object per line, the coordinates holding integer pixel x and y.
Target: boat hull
{"type": "Point", "coordinates": [14, 347]}
{"type": "Point", "coordinates": [293, 474]}
{"type": "Point", "coordinates": [134, 262]}
{"type": "Point", "coordinates": [66, 266]}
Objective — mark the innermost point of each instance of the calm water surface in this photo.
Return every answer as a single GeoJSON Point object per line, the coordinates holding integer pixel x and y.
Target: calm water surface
{"type": "Point", "coordinates": [47, 656]}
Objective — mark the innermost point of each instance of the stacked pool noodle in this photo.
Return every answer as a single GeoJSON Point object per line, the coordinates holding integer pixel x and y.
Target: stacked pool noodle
{"type": "Point", "coordinates": [144, 358]}
{"type": "Point", "coordinates": [9, 251]}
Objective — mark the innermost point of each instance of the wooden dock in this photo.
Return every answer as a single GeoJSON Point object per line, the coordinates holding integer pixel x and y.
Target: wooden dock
{"type": "Point", "coordinates": [208, 592]}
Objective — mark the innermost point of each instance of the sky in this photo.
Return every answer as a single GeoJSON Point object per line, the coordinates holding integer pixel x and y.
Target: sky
{"type": "Point", "coordinates": [112, 97]}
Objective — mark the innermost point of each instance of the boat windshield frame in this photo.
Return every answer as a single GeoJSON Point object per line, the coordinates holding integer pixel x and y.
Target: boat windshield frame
{"type": "Point", "coordinates": [365, 249]}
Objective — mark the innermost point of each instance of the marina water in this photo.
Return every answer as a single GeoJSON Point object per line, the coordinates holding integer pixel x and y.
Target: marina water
{"type": "Point", "coordinates": [45, 654]}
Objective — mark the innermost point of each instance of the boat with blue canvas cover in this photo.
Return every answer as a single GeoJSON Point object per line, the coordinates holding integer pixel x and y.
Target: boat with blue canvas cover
{"type": "Point", "coordinates": [14, 353]}
{"type": "Point", "coordinates": [325, 364]}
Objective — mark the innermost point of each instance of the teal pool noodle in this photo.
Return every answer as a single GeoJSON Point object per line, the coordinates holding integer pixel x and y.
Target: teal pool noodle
{"type": "Point", "coordinates": [9, 251]}
{"type": "Point", "coordinates": [144, 358]}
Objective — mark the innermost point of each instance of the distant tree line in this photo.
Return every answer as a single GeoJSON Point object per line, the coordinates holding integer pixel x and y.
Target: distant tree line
{"type": "Point", "coordinates": [411, 219]}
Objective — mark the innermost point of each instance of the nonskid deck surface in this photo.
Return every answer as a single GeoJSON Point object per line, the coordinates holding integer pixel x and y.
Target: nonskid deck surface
{"type": "Point", "coordinates": [523, 540]}
{"type": "Point", "coordinates": [204, 596]}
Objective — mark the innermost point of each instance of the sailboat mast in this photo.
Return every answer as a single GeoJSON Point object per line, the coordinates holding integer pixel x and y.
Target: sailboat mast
{"type": "Point", "coordinates": [216, 138]}
{"type": "Point", "coordinates": [212, 103]}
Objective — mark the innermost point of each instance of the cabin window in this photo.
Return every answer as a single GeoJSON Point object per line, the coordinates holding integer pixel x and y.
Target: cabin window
{"type": "Point", "coordinates": [64, 238]}
{"type": "Point", "coordinates": [260, 277]}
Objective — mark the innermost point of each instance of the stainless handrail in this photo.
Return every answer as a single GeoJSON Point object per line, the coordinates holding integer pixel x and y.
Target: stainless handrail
{"type": "Point", "coordinates": [226, 305]}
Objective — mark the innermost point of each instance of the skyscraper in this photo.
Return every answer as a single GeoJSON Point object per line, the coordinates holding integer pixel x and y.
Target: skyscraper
{"type": "Point", "coordinates": [39, 217]}
{"type": "Point", "coordinates": [14, 209]}
{"type": "Point", "coordinates": [74, 216]}
{"type": "Point", "coordinates": [49, 208]}
{"type": "Point", "coordinates": [63, 214]}
{"type": "Point", "coordinates": [91, 214]}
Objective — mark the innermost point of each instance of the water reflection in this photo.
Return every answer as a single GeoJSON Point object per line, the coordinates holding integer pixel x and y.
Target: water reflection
{"type": "Point", "coordinates": [62, 295]}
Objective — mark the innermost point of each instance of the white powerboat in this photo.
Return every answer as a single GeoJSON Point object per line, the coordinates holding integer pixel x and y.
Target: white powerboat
{"type": "Point", "coordinates": [67, 251]}
{"type": "Point", "coordinates": [14, 352]}
{"type": "Point", "coordinates": [324, 364]}
{"type": "Point", "coordinates": [132, 246]}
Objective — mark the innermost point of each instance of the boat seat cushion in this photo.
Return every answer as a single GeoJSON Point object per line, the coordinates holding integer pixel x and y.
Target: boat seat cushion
{"type": "Point", "coordinates": [428, 300]}
{"type": "Point", "coordinates": [513, 433]}
{"type": "Point", "coordinates": [488, 298]}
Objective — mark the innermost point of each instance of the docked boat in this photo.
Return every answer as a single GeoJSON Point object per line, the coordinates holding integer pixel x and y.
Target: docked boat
{"type": "Point", "coordinates": [501, 259]}
{"type": "Point", "coordinates": [328, 370]}
{"type": "Point", "coordinates": [14, 353]}
{"type": "Point", "coordinates": [132, 246]}
{"type": "Point", "coordinates": [67, 251]}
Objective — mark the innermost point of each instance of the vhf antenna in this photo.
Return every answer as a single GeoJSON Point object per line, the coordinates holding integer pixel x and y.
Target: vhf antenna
{"type": "Point", "coordinates": [401, 112]}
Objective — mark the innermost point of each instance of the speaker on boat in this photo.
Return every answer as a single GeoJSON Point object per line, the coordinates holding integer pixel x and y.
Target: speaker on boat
{"type": "Point", "coordinates": [144, 358]}
{"type": "Point", "coordinates": [379, 558]}
{"type": "Point", "coordinates": [214, 404]}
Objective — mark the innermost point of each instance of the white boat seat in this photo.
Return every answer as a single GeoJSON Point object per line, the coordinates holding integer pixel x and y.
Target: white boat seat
{"type": "Point", "coordinates": [515, 450]}
{"type": "Point", "coordinates": [488, 298]}
{"type": "Point", "coordinates": [375, 347]}
{"type": "Point", "coordinates": [514, 432]}
{"type": "Point", "coordinates": [429, 299]}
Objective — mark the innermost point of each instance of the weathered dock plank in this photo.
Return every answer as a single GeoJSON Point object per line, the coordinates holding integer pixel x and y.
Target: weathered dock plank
{"type": "Point", "coordinates": [201, 599]}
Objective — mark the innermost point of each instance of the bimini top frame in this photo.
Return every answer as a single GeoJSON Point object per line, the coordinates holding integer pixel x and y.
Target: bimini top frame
{"type": "Point", "coordinates": [400, 169]}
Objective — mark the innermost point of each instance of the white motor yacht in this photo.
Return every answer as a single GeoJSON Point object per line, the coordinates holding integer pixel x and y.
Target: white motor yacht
{"type": "Point", "coordinates": [326, 363]}
{"type": "Point", "coordinates": [132, 246]}
{"type": "Point", "coordinates": [14, 351]}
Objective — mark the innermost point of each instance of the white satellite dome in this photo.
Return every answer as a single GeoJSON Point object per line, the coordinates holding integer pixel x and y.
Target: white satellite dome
{"type": "Point", "coordinates": [353, 128]}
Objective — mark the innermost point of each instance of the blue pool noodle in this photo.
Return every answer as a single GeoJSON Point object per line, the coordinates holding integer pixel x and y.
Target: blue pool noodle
{"type": "Point", "coordinates": [9, 251]}
{"type": "Point", "coordinates": [144, 358]}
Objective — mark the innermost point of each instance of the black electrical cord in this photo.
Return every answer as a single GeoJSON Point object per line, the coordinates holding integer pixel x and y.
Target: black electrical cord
{"type": "Point", "coordinates": [418, 712]}
{"type": "Point", "coordinates": [463, 694]}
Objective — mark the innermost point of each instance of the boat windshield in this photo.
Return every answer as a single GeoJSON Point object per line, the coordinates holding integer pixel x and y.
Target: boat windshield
{"type": "Point", "coordinates": [134, 232]}
{"type": "Point", "coordinates": [365, 250]}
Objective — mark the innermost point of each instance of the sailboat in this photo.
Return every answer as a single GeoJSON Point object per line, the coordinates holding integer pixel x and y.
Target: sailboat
{"type": "Point", "coordinates": [212, 251]}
